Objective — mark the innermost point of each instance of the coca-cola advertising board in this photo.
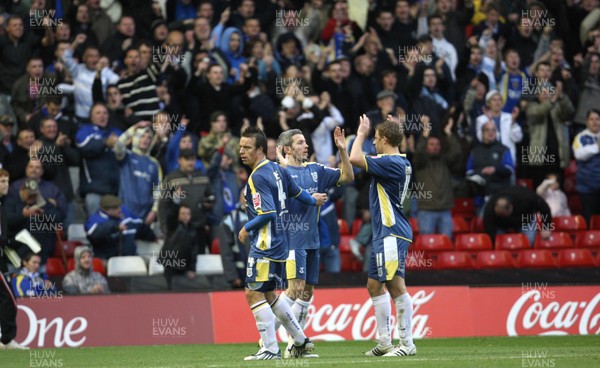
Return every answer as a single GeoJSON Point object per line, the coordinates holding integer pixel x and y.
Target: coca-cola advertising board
{"type": "Point", "coordinates": [105, 320]}
{"type": "Point", "coordinates": [347, 314]}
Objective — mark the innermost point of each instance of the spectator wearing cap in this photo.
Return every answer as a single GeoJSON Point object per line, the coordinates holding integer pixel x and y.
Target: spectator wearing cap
{"type": "Point", "coordinates": [190, 187]}
{"type": "Point", "coordinates": [38, 206]}
{"type": "Point", "coordinates": [159, 32]}
{"type": "Point", "coordinates": [112, 229]}
{"type": "Point", "coordinates": [84, 73]}
{"type": "Point", "coordinates": [19, 157]}
{"type": "Point", "coordinates": [83, 279]}
{"type": "Point", "coordinates": [508, 130]}
{"type": "Point", "coordinates": [8, 140]}
{"type": "Point", "coordinates": [139, 173]}
{"type": "Point", "coordinates": [97, 174]}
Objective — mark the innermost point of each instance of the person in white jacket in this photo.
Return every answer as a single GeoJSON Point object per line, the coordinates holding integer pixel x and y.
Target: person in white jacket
{"type": "Point", "coordinates": [84, 75]}
{"type": "Point", "coordinates": [509, 131]}
{"type": "Point", "coordinates": [554, 196]}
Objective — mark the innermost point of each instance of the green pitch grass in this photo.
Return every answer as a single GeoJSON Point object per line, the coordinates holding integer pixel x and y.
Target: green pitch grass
{"type": "Point", "coordinates": [513, 352]}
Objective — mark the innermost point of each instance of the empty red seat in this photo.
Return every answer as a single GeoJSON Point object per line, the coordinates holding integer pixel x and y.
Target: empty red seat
{"type": "Point", "coordinates": [535, 258]}
{"type": "Point", "coordinates": [356, 225]}
{"type": "Point", "coordinates": [345, 243]}
{"type": "Point", "coordinates": [473, 242]}
{"type": "Point", "coordinates": [464, 207]}
{"type": "Point", "coordinates": [349, 263]}
{"type": "Point", "coordinates": [454, 260]}
{"type": "Point", "coordinates": [433, 243]}
{"type": "Point", "coordinates": [576, 258]}
{"type": "Point", "coordinates": [527, 183]}
{"type": "Point", "coordinates": [494, 259]}
{"type": "Point", "coordinates": [215, 247]}
{"type": "Point", "coordinates": [459, 225]}
{"type": "Point", "coordinates": [588, 239]}
{"type": "Point", "coordinates": [344, 229]}
{"type": "Point", "coordinates": [418, 261]}
{"type": "Point", "coordinates": [477, 225]}
{"type": "Point", "coordinates": [556, 241]}
{"type": "Point", "coordinates": [414, 224]}
{"type": "Point", "coordinates": [55, 267]}
{"type": "Point", "coordinates": [68, 247]}
{"type": "Point", "coordinates": [595, 222]}
{"type": "Point", "coordinates": [569, 224]}
{"type": "Point", "coordinates": [514, 241]}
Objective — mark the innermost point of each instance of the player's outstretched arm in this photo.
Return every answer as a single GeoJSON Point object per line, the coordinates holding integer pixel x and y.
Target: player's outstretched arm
{"type": "Point", "coordinates": [339, 138]}
{"type": "Point", "coordinates": [356, 155]}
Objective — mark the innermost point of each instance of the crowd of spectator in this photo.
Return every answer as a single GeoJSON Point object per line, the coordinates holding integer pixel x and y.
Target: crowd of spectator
{"type": "Point", "coordinates": [147, 98]}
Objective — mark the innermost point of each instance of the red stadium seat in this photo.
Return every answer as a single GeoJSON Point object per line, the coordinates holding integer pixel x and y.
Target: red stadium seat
{"type": "Point", "coordinates": [349, 263]}
{"type": "Point", "coordinates": [345, 244]}
{"type": "Point", "coordinates": [527, 183]}
{"type": "Point", "coordinates": [55, 267]}
{"type": "Point", "coordinates": [415, 225]}
{"type": "Point", "coordinates": [512, 242]}
{"type": "Point", "coordinates": [595, 222]}
{"type": "Point", "coordinates": [454, 260]}
{"type": "Point", "coordinates": [344, 230]}
{"type": "Point", "coordinates": [464, 207]}
{"type": "Point", "coordinates": [68, 246]}
{"type": "Point", "coordinates": [494, 259]}
{"type": "Point", "coordinates": [215, 247]}
{"type": "Point", "coordinates": [571, 170]}
{"type": "Point", "coordinates": [576, 258]}
{"type": "Point", "coordinates": [570, 224]}
{"type": "Point", "coordinates": [588, 239]}
{"type": "Point", "coordinates": [556, 241]}
{"type": "Point", "coordinates": [473, 242]}
{"type": "Point", "coordinates": [356, 225]}
{"type": "Point", "coordinates": [459, 225]}
{"type": "Point", "coordinates": [418, 261]}
{"type": "Point", "coordinates": [535, 258]}
{"type": "Point", "coordinates": [433, 243]}
{"type": "Point", "coordinates": [70, 264]}
{"type": "Point", "coordinates": [477, 225]}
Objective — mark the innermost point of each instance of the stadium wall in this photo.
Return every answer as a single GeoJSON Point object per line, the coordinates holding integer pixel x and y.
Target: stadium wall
{"type": "Point", "coordinates": [337, 314]}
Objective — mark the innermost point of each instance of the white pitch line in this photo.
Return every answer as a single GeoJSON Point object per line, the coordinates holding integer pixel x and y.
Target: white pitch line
{"type": "Point", "coordinates": [411, 359]}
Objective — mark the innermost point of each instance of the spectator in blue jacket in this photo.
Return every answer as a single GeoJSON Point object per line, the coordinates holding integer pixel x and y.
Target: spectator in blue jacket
{"type": "Point", "coordinates": [224, 180]}
{"type": "Point", "coordinates": [180, 140]}
{"type": "Point", "coordinates": [112, 230]}
{"type": "Point", "coordinates": [97, 174]}
{"type": "Point", "coordinates": [586, 147]}
{"type": "Point", "coordinates": [140, 173]}
{"type": "Point", "coordinates": [29, 281]}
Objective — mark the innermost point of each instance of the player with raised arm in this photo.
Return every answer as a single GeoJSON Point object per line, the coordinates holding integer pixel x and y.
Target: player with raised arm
{"type": "Point", "coordinates": [302, 225]}
{"type": "Point", "coordinates": [266, 193]}
{"type": "Point", "coordinates": [390, 174]}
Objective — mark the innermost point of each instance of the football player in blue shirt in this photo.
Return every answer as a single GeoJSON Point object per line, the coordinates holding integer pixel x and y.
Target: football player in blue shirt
{"type": "Point", "coordinates": [302, 222]}
{"type": "Point", "coordinates": [266, 193]}
{"type": "Point", "coordinates": [390, 174]}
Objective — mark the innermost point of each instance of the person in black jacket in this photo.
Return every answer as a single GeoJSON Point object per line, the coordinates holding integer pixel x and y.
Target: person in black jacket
{"type": "Point", "coordinates": [179, 252]}
{"type": "Point", "coordinates": [515, 209]}
{"type": "Point", "coordinates": [8, 305]}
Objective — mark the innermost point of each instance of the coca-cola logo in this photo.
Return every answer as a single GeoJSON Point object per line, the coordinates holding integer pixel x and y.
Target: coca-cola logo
{"type": "Point", "coordinates": [66, 333]}
{"type": "Point", "coordinates": [332, 322]}
{"type": "Point", "coordinates": [529, 314]}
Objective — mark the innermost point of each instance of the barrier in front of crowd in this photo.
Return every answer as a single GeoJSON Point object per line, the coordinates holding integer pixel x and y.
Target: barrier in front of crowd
{"type": "Point", "coordinates": [336, 314]}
